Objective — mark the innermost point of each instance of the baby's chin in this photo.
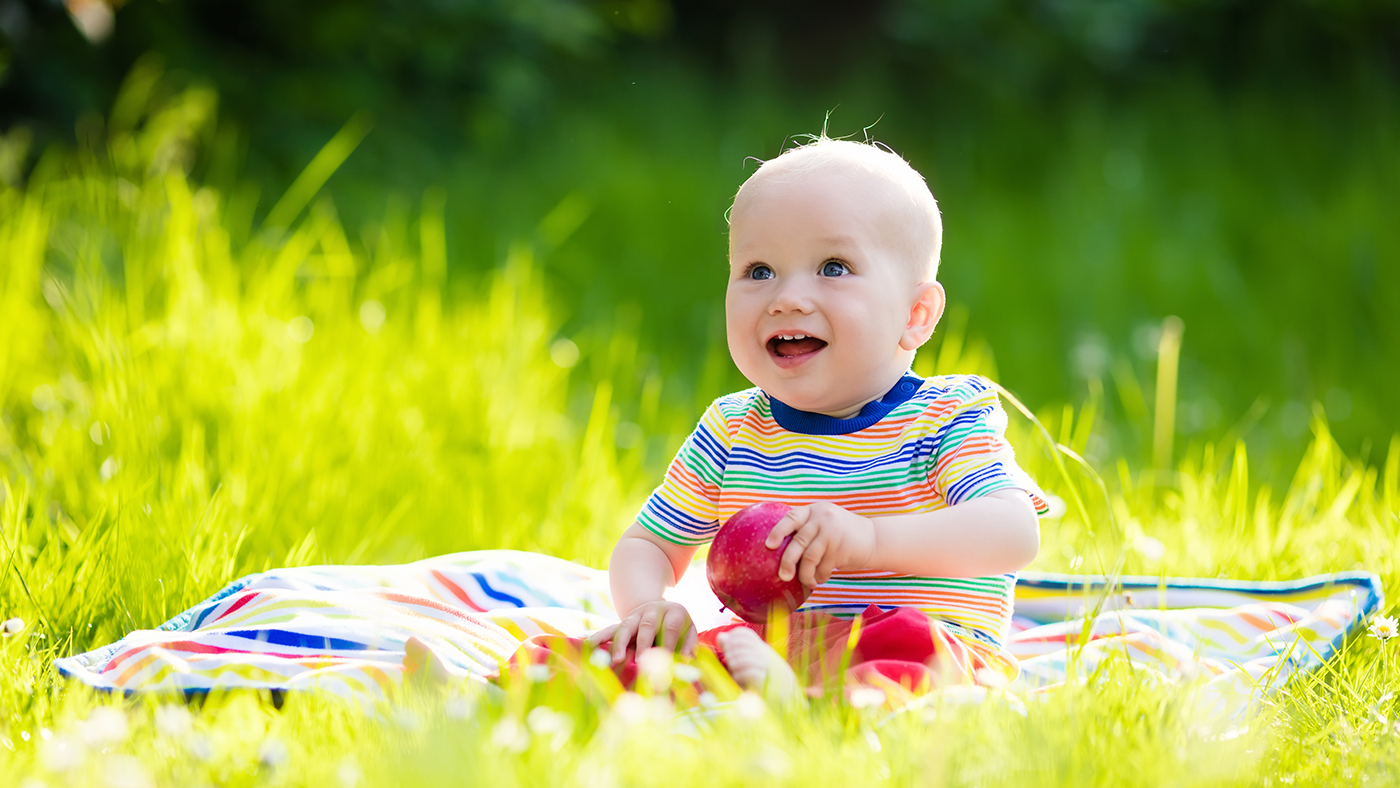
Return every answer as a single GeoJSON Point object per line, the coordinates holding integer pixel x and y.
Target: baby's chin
{"type": "Point", "coordinates": [822, 400]}
{"type": "Point", "coordinates": [813, 389]}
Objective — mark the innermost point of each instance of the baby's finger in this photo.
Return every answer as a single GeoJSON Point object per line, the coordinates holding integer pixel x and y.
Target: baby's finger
{"type": "Point", "coordinates": [792, 521]}
{"type": "Point", "coordinates": [787, 567]}
{"type": "Point", "coordinates": [692, 641]}
{"type": "Point", "coordinates": [602, 635]}
{"type": "Point", "coordinates": [811, 559]}
{"type": "Point", "coordinates": [646, 631]}
{"type": "Point", "coordinates": [673, 628]}
{"type": "Point", "coordinates": [826, 567]}
{"type": "Point", "coordinates": [621, 638]}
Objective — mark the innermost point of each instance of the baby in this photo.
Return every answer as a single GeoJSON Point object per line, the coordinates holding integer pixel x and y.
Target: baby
{"type": "Point", "coordinates": [906, 493]}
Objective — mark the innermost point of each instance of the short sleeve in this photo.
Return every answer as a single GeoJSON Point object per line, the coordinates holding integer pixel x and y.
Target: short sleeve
{"type": "Point", "coordinates": [684, 509]}
{"type": "Point", "coordinates": [971, 457]}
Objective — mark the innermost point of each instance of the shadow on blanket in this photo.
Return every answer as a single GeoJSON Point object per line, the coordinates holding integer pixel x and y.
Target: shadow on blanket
{"type": "Point", "coordinates": [342, 629]}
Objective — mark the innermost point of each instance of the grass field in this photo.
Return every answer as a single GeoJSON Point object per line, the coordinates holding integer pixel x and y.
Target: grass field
{"type": "Point", "coordinates": [187, 398]}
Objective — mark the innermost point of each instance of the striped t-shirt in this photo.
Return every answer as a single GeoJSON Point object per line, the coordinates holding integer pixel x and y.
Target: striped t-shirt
{"type": "Point", "coordinates": [926, 445]}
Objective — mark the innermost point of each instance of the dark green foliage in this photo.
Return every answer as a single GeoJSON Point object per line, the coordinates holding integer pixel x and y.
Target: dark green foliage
{"type": "Point", "coordinates": [1101, 165]}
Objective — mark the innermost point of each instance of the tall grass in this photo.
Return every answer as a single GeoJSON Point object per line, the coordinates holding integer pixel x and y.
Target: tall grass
{"type": "Point", "coordinates": [186, 397]}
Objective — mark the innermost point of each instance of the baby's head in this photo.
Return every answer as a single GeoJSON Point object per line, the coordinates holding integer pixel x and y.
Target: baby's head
{"type": "Point", "coordinates": [833, 250]}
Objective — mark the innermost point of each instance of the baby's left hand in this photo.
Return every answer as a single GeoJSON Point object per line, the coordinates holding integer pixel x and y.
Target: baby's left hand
{"type": "Point", "coordinates": [825, 537]}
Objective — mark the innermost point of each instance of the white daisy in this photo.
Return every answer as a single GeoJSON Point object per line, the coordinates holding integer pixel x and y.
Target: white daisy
{"type": "Point", "coordinates": [1383, 628]}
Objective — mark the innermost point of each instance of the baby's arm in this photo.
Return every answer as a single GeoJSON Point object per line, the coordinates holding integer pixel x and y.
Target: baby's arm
{"type": "Point", "coordinates": [991, 535]}
{"type": "Point", "coordinates": [642, 567]}
{"type": "Point", "coordinates": [994, 534]}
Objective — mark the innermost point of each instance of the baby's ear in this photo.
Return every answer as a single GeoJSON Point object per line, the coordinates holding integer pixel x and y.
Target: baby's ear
{"type": "Point", "coordinates": [924, 314]}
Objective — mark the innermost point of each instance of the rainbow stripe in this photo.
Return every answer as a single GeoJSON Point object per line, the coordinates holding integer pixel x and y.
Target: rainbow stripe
{"type": "Point", "coordinates": [943, 445]}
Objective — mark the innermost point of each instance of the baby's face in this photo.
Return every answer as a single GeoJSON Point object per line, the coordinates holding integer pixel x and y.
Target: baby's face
{"type": "Point", "coordinates": [820, 290]}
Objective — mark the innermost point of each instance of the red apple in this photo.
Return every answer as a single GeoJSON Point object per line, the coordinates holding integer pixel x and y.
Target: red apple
{"type": "Point", "coordinates": [743, 572]}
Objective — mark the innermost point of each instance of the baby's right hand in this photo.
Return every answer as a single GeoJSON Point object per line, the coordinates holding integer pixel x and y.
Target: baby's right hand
{"type": "Point", "coordinates": [669, 620]}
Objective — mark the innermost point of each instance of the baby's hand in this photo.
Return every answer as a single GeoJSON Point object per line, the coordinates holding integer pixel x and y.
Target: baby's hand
{"type": "Point", "coordinates": [755, 665]}
{"type": "Point", "coordinates": [670, 620]}
{"type": "Point", "coordinates": [825, 537]}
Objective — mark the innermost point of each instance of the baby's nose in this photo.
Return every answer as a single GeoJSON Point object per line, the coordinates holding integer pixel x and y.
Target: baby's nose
{"type": "Point", "coordinates": [792, 298]}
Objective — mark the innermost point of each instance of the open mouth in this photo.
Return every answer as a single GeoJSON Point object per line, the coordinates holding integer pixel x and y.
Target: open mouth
{"type": "Point", "coordinates": [794, 346]}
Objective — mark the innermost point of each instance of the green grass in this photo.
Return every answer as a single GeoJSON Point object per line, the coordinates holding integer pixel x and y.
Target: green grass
{"type": "Point", "coordinates": [186, 397]}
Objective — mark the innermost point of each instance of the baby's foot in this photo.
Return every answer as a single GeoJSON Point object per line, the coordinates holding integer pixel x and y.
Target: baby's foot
{"type": "Point", "coordinates": [755, 665]}
{"type": "Point", "coordinates": [422, 664]}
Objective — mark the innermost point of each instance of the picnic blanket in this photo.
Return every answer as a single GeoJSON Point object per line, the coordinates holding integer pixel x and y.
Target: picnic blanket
{"type": "Point", "coordinates": [342, 629]}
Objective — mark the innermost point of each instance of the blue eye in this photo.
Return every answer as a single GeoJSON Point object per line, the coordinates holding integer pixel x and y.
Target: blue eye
{"type": "Point", "coordinates": [760, 272]}
{"type": "Point", "coordinates": [835, 268]}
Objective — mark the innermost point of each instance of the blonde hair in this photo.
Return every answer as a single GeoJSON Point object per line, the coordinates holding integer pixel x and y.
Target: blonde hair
{"type": "Point", "coordinates": [922, 220]}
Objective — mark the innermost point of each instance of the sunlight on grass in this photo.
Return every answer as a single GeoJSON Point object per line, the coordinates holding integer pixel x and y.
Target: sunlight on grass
{"type": "Point", "coordinates": [181, 407]}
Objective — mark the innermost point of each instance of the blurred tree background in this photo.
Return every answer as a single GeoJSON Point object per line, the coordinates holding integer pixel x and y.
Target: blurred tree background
{"type": "Point", "coordinates": [1101, 164]}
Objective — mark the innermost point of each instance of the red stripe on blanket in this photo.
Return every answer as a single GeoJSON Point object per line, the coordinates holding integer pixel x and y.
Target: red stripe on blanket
{"type": "Point", "coordinates": [422, 601]}
{"type": "Point", "coordinates": [195, 647]}
{"type": "Point", "coordinates": [243, 600]}
{"type": "Point", "coordinates": [456, 591]}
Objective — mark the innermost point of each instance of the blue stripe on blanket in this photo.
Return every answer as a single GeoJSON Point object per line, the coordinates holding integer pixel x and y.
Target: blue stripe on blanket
{"type": "Point", "coordinates": [494, 594]}
{"type": "Point", "coordinates": [282, 637]}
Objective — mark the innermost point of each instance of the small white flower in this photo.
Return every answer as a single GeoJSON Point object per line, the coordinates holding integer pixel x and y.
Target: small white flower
{"type": "Point", "coordinates": [687, 673]}
{"type": "Point", "coordinates": [348, 773]}
{"type": "Point", "coordinates": [173, 722]}
{"type": "Point", "coordinates": [126, 771]}
{"type": "Point", "coordinates": [660, 707]}
{"type": "Point", "coordinates": [510, 735]}
{"type": "Point", "coordinates": [13, 626]}
{"type": "Point", "coordinates": [544, 721]}
{"type": "Point", "coordinates": [537, 673]}
{"type": "Point", "coordinates": [105, 726]}
{"type": "Point", "coordinates": [1383, 628]}
{"type": "Point", "coordinates": [200, 747]}
{"type": "Point", "coordinates": [62, 753]}
{"type": "Point", "coordinates": [456, 708]}
{"type": "Point", "coordinates": [750, 705]}
{"type": "Point", "coordinates": [866, 697]}
{"type": "Point", "coordinates": [600, 658]}
{"type": "Point", "coordinates": [630, 708]}
{"type": "Point", "coordinates": [772, 762]}
{"type": "Point", "coordinates": [872, 740]}
{"type": "Point", "coordinates": [272, 753]}
{"type": "Point", "coordinates": [708, 700]}
{"type": "Point", "coordinates": [655, 665]}
{"type": "Point", "coordinates": [406, 719]}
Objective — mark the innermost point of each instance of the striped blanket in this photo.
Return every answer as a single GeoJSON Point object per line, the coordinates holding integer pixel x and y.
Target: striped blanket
{"type": "Point", "coordinates": [342, 629]}
{"type": "Point", "coordinates": [1244, 639]}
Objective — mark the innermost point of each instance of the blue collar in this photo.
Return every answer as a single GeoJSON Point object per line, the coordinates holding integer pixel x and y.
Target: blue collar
{"type": "Point", "coordinates": [794, 420]}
